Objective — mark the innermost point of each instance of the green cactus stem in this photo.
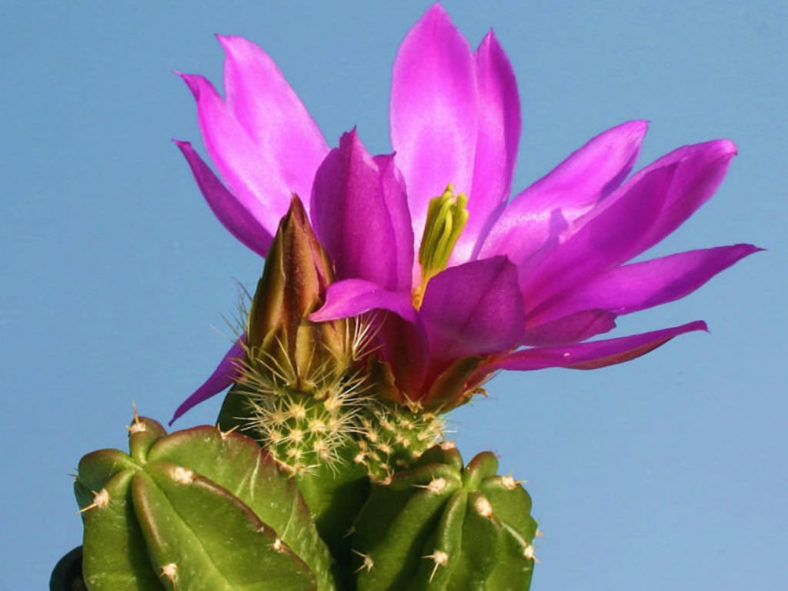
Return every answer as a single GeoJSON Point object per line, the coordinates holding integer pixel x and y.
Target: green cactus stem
{"type": "Point", "coordinates": [391, 437]}
{"type": "Point", "coordinates": [305, 391]}
{"type": "Point", "coordinates": [333, 445]}
{"type": "Point", "coordinates": [439, 526]}
{"type": "Point", "coordinates": [196, 509]}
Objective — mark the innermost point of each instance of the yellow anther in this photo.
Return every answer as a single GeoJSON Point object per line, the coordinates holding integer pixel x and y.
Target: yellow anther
{"type": "Point", "coordinates": [446, 219]}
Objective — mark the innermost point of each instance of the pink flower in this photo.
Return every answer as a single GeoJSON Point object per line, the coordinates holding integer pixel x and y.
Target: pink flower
{"type": "Point", "coordinates": [473, 288]}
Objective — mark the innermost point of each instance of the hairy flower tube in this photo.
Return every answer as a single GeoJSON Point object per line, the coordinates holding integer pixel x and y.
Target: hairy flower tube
{"type": "Point", "coordinates": [462, 280]}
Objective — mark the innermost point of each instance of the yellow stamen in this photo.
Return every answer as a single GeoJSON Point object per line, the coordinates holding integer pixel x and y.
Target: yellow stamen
{"type": "Point", "coordinates": [446, 219]}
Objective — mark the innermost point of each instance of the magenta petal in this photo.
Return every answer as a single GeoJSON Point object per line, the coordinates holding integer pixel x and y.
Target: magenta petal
{"type": "Point", "coordinates": [604, 242]}
{"type": "Point", "coordinates": [571, 328]}
{"type": "Point", "coordinates": [496, 143]}
{"type": "Point", "coordinates": [473, 309]}
{"type": "Point", "coordinates": [594, 354]}
{"type": "Point", "coordinates": [290, 145]}
{"type": "Point", "coordinates": [401, 240]}
{"type": "Point", "coordinates": [238, 217]}
{"type": "Point", "coordinates": [222, 377]}
{"type": "Point", "coordinates": [566, 193]}
{"type": "Point", "coordinates": [360, 214]}
{"type": "Point", "coordinates": [642, 285]}
{"type": "Point", "coordinates": [403, 346]}
{"type": "Point", "coordinates": [649, 206]}
{"type": "Point", "coordinates": [433, 112]}
{"type": "Point", "coordinates": [249, 173]}
{"type": "Point", "coordinates": [701, 168]}
{"type": "Point", "coordinates": [352, 297]}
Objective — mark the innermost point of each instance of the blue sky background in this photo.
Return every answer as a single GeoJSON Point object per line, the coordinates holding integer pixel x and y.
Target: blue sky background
{"type": "Point", "coordinates": [665, 473]}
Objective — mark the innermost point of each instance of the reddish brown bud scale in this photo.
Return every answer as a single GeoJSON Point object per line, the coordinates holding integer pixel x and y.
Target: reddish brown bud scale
{"type": "Point", "coordinates": [295, 277]}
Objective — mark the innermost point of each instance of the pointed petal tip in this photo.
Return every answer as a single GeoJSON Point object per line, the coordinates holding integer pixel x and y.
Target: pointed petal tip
{"type": "Point", "coordinates": [349, 136]}
{"type": "Point", "coordinates": [187, 405]}
{"type": "Point", "coordinates": [694, 326]}
{"type": "Point", "coordinates": [233, 44]}
{"type": "Point", "coordinates": [747, 249]}
{"type": "Point", "coordinates": [639, 126]}
{"type": "Point", "coordinates": [435, 16]}
{"type": "Point", "coordinates": [594, 354]}
{"type": "Point", "coordinates": [489, 39]}
{"type": "Point", "coordinates": [222, 378]}
{"type": "Point", "coordinates": [183, 145]}
{"type": "Point", "coordinates": [658, 339]}
{"type": "Point", "coordinates": [721, 150]}
{"type": "Point", "coordinates": [635, 128]}
{"type": "Point", "coordinates": [437, 9]}
{"type": "Point", "coordinates": [728, 146]}
{"type": "Point", "coordinates": [725, 149]}
{"type": "Point", "coordinates": [242, 221]}
{"type": "Point", "coordinates": [491, 45]}
{"type": "Point", "coordinates": [386, 163]}
{"type": "Point", "coordinates": [176, 415]}
{"type": "Point", "coordinates": [698, 325]}
{"type": "Point", "coordinates": [187, 150]}
{"type": "Point", "coordinates": [196, 83]}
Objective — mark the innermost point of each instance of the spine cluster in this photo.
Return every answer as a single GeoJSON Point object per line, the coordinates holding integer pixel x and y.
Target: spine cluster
{"type": "Point", "coordinates": [333, 422]}
{"type": "Point", "coordinates": [392, 438]}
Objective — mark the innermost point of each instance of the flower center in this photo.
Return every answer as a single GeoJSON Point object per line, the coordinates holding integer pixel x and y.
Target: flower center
{"type": "Point", "coordinates": [446, 219]}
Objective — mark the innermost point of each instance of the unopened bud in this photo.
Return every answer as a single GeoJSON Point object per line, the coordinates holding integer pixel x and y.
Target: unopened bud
{"type": "Point", "coordinates": [295, 277]}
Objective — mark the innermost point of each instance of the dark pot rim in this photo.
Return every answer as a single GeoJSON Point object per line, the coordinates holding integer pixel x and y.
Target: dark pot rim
{"type": "Point", "coordinates": [67, 574]}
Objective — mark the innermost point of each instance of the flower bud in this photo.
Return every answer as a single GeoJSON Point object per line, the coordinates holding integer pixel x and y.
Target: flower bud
{"type": "Point", "coordinates": [279, 335]}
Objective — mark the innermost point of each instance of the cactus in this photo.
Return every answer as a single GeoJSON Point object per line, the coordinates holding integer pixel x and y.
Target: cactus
{"type": "Point", "coordinates": [441, 526]}
{"type": "Point", "coordinates": [392, 438]}
{"type": "Point", "coordinates": [320, 474]}
{"type": "Point", "coordinates": [377, 439]}
{"type": "Point", "coordinates": [196, 509]}
{"type": "Point", "coordinates": [304, 390]}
